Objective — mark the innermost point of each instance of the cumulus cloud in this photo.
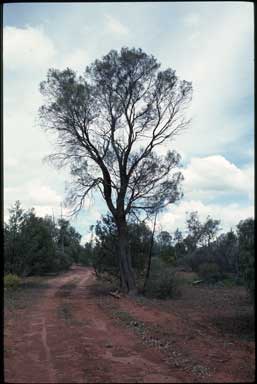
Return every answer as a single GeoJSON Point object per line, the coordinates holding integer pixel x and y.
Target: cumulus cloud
{"type": "Point", "coordinates": [115, 26]}
{"type": "Point", "coordinates": [217, 66]}
{"type": "Point", "coordinates": [219, 62]}
{"type": "Point", "coordinates": [192, 20]}
{"type": "Point", "coordinates": [215, 174]}
{"type": "Point", "coordinates": [76, 60]}
{"type": "Point", "coordinates": [230, 214]}
{"type": "Point", "coordinates": [26, 48]}
{"type": "Point", "coordinates": [43, 194]}
{"type": "Point", "coordinates": [208, 180]}
{"type": "Point", "coordinates": [32, 193]}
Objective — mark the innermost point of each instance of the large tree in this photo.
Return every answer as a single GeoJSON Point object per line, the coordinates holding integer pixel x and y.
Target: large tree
{"type": "Point", "coordinates": [109, 122]}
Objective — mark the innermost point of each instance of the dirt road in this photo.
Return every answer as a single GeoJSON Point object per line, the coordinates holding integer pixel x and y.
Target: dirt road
{"type": "Point", "coordinates": [67, 334]}
{"type": "Point", "coordinates": [66, 338]}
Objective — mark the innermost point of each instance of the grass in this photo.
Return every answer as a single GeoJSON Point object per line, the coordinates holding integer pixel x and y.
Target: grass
{"type": "Point", "coordinates": [28, 290]}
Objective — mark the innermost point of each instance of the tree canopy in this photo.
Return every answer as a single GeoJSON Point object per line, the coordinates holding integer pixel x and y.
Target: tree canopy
{"type": "Point", "coordinates": [109, 123]}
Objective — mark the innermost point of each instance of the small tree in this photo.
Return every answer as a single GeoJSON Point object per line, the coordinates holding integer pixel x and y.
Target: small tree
{"type": "Point", "coordinates": [32, 244]}
{"type": "Point", "coordinates": [226, 252]}
{"type": "Point", "coordinates": [105, 251]}
{"type": "Point", "coordinates": [200, 234]}
{"type": "Point", "coordinates": [179, 245]}
{"type": "Point", "coordinates": [13, 249]}
{"type": "Point", "coordinates": [166, 250]}
{"type": "Point", "coordinates": [245, 231]}
{"type": "Point", "coordinates": [109, 123]}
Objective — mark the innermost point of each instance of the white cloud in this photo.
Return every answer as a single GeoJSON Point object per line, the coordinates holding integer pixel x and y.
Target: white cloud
{"type": "Point", "coordinates": [215, 174]}
{"type": "Point", "coordinates": [76, 60]}
{"type": "Point", "coordinates": [115, 26]}
{"type": "Point", "coordinates": [33, 194]}
{"type": "Point", "coordinates": [191, 20]}
{"type": "Point", "coordinates": [43, 194]}
{"type": "Point", "coordinates": [219, 62]}
{"type": "Point", "coordinates": [88, 237]}
{"type": "Point", "coordinates": [230, 214]}
{"type": "Point", "coordinates": [26, 48]}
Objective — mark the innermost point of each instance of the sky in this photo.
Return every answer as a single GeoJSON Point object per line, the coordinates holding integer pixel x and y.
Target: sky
{"type": "Point", "coordinates": [208, 43]}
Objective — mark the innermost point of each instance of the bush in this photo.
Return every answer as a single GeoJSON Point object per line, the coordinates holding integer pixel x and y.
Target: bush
{"type": "Point", "coordinates": [209, 272]}
{"type": "Point", "coordinates": [198, 257]}
{"type": "Point", "coordinates": [248, 270]}
{"type": "Point", "coordinates": [11, 281]}
{"type": "Point", "coordinates": [245, 230]}
{"type": "Point", "coordinates": [162, 284]}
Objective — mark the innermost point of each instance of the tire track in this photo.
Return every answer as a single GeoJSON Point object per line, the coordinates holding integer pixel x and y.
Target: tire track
{"type": "Point", "coordinates": [51, 370]}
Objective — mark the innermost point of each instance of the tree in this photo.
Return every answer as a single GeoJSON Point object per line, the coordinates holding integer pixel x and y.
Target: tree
{"type": "Point", "coordinates": [179, 245]}
{"type": "Point", "coordinates": [209, 230]}
{"type": "Point", "coordinates": [200, 234]}
{"type": "Point", "coordinates": [165, 249]}
{"type": "Point", "coordinates": [13, 239]}
{"type": "Point", "coordinates": [245, 232]}
{"type": "Point", "coordinates": [109, 123]}
{"type": "Point", "coordinates": [69, 240]}
{"type": "Point", "coordinates": [194, 231]}
{"type": "Point", "coordinates": [164, 239]}
{"type": "Point", "coordinates": [39, 245]}
{"type": "Point", "coordinates": [226, 252]}
{"type": "Point", "coordinates": [105, 251]}
{"type": "Point", "coordinates": [32, 245]}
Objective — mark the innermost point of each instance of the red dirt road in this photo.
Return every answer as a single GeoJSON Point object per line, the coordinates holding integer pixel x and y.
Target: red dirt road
{"type": "Point", "coordinates": [68, 336]}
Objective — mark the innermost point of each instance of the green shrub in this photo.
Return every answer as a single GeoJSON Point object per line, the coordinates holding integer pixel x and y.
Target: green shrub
{"type": "Point", "coordinates": [11, 281]}
{"type": "Point", "coordinates": [209, 272]}
{"type": "Point", "coordinates": [162, 284]}
{"type": "Point", "coordinates": [245, 231]}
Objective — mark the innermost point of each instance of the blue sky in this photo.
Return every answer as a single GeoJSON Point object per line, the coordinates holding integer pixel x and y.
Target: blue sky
{"type": "Point", "coordinates": [208, 43]}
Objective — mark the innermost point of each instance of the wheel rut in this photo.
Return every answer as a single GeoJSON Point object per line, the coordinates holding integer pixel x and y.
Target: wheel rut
{"type": "Point", "coordinates": [67, 338]}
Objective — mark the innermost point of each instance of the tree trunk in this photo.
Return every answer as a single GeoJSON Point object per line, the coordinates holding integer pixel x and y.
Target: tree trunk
{"type": "Point", "coordinates": [127, 278]}
{"type": "Point", "coordinates": [150, 255]}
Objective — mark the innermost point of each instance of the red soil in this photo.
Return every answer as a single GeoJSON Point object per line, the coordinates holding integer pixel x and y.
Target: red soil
{"type": "Point", "coordinates": [68, 335]}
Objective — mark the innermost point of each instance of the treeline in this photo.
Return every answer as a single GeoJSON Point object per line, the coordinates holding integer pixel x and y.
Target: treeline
{"type": "Point", "coordinates": [226, 257]}
{"type": "Point", "coordinates": [34, 245]}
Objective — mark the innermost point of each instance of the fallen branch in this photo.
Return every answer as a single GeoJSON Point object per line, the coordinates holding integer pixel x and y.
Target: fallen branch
{"type": "Point", "coordinates": [115, 294]}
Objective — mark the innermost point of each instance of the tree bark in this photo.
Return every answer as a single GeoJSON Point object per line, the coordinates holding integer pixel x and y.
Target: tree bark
{"type": "Point", "coordinates": [150, 255]}
{"type": "Point", "coordinates": [127, 278]}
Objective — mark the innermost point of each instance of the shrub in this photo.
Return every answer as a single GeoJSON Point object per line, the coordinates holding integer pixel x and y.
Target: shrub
{"type": "Point", "coordinates": [162, 284]}
{"type": "Point", "coordinates": [248, 270]}
{"type": "Point", "coordinates": [198, 257]}
{"type": "Point", "coordinates": [245, 230]}
{"type": "Point", "coordinates": [167, 254]}
{"type": "Point", "coordinates": [11, 281]}
{"type": "Point", "coordinates": [209, 272]}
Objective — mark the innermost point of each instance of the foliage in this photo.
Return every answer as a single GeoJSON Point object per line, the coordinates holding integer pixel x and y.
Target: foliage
{"type": "Point", "coordinates": [225, 252]}
{"type": "Point", "coordinates": [105, 253]}
{"type": "Point", "coordinates": [210, 272]}
{"type": "Point", "coordinates": [162, 283]}
{"type": "Point", "coordinates": [165, 249]}
{"type": "Point", "coordinates": [35, 245]}
{"type": "Point", "coordinates": [200, 234]}
{"type": "Point", "coordinates": [11, 281]}
{"type": "Point", "coordinates": [245, 231]}
{"type": "Point", "coordinates": [102, 120]}
{"type": "Point", "coordinates": [197, 257]}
